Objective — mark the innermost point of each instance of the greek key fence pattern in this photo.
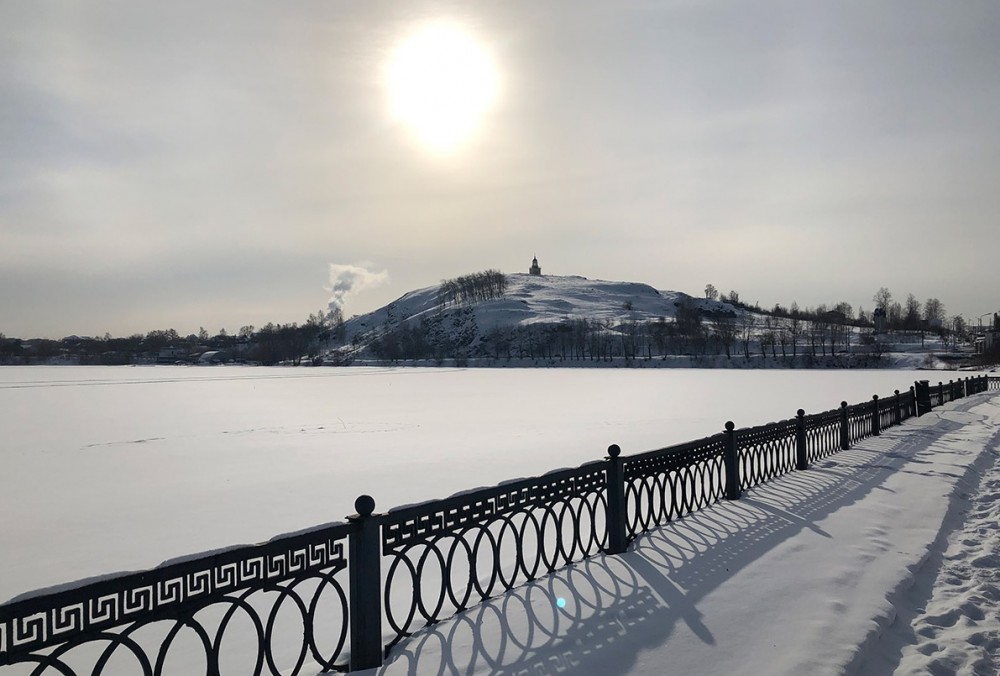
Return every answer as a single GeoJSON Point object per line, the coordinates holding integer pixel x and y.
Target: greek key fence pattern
{"type": "Point", "coordinates": [338, 597]}
{"type": "Point", "coordinates": [207, 599]}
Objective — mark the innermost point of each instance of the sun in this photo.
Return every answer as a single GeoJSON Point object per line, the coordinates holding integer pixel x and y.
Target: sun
{"type": "Point", "coordinates": [441, 81]}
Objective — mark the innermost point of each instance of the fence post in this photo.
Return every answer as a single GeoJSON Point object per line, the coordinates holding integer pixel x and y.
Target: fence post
{"type": "Point", "coordinates": [913, 402]}
{"type": "Point", "coordinates": [733, 483]}
{"type": "Point", "coordinates": [897, 416]}
{"type": "Point", "coordinates": [923, 398]}
{"type": "Point", "coordinates": [845, 433]}
{"type": "Point", "coordinates": [801, 458]}
{"type": "Point", "coordinates": [617, 540]}
{"type": "Point", "coordinates": [940, 393]}
{"type": "Point", "coordinates": [365, 574]}
{"type": "Point", "coordinates": [875, 420]}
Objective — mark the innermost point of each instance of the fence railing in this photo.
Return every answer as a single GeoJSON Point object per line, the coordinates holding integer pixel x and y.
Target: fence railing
{"type": "Point", "coordinates": [340, 596]}
{"type": "Point", "coordinates": [300, 575]}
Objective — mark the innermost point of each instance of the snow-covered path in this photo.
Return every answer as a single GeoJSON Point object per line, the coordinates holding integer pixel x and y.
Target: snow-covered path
{"type": "Point", "coordinates": [819, 572]}
{"type": "Point", "coordinates": [948, 622]}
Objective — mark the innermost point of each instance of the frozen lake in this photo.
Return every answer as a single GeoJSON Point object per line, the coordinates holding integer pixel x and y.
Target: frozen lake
{"type": "Point", "coordinates": [120, 468]}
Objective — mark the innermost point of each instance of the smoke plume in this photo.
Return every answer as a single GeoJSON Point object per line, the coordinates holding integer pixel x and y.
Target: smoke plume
{"type": "Point", "coordinates": [348, 279]}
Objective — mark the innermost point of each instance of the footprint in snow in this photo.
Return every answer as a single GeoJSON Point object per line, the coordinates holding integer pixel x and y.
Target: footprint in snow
{"type": "Point", "coordinates": [972, 611]}
{"type": "Point", "coordinates": [988, 561]}
{"type": "Point", "coordinates": [948, 619]}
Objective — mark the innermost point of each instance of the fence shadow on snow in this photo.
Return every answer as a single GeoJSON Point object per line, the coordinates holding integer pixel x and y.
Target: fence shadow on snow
{"type": "Point", "coordinates": [345, 596]}
{"type": "Point", "coordinates": [618, 605]}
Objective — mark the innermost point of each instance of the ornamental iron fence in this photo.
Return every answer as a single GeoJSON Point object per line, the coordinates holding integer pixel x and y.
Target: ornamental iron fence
{"type": "Point", "coordinates": [137, 623]}
{"type": "Point", "coordinates": [663, 485]}
{"type": "Point", "coordinates": [341, 596]}
{"type": "Point", "coordinates": [444, 556]}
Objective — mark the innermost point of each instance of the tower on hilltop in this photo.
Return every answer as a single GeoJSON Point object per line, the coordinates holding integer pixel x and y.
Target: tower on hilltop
{"type": "Point", "coordinates": [534, 269]}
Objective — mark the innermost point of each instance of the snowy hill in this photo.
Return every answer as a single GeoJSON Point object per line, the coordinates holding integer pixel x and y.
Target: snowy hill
{"type": "Point", "coordinates": [529, 301]}
{"type": "Point", "coordinates": [525, 319]}
{"type": "Point", "coordinates": [535, 299]}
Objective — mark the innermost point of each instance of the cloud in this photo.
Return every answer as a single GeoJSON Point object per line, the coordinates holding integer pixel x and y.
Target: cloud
{"type": "Point", "coordinates": [348, 279]}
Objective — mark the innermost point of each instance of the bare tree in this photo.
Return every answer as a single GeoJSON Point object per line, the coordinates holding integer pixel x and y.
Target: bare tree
{"type": "Point", "coordinates": [911, 312]}
{"type": "Point", "coordinates": [894, 316]}
{"type": "Point", "coordinates": [769, 336]}
{"type": "Point", "coordinates": [934, 311]}
{"type": "Point", "coordinates": [784, 336]}
{"type": "Point", "coordinates": [726, 331]}
{"type": "Point", "coordinates": [711, 292]}
{"type": "Point", "coordinates": [795, 331]}
{"type": "Point", "coordinates": [747, 323]}
{"type": "Point", "coordinates": [882, 299]}
{"type": "Point", "coordinates": [845, 309]}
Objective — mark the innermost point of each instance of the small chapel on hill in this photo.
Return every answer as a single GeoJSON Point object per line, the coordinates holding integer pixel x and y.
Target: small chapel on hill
{"type": "Point", "coordinates": [534, 269]}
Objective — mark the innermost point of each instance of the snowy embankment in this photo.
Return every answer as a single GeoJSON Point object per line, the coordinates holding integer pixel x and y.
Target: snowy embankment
{"type": "Point", "coordinates": [863, 564]}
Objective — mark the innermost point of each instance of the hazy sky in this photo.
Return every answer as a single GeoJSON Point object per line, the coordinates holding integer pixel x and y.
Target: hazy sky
{"type": "Point", "coordinates": [186, 164]}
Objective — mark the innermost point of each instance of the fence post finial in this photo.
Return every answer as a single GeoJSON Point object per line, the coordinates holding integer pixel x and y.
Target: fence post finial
{"type": "Point", "coordinates": [845, 432]}
{"type": "Point", "coordinates": [616, 514]}
{"type": "Point", "coordinates": [733, 483]}
{"type": "Point", "coordinates": [801, 457]}
{"type": "Point", "coordinates": [365, 575]}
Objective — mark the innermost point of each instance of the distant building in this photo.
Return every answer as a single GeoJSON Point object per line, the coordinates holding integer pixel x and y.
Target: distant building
{"type": "Point", "coordinates": [880, 320]}
{"type": "Point", "coordinates": [834, 317]}
{"type": "Point", "coordinates": [534, 269]}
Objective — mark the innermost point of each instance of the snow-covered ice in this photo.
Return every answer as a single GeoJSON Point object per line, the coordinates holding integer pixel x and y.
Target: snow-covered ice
{"type": "Point", "coordinates": [120, 468]}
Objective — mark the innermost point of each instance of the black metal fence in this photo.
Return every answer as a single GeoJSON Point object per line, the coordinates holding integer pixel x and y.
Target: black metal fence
{"type": "Point", "coordinates": [340, 596]}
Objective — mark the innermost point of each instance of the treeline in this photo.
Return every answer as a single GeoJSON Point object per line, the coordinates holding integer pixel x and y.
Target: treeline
{"type": "Point", "coordinates": [444, 335]}
{"type": "Point", "coordinates": [909, 315]}
{"type": "Point", "coordinates": [692, 332]}
{"type": "Point", "coordinates": [270, 344]}
{"type": "Point", "coordinates": [477, 287]}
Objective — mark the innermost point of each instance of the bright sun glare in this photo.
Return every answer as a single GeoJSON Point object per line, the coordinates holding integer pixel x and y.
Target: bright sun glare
{"type": "Point", "coordinates": [441, 81]}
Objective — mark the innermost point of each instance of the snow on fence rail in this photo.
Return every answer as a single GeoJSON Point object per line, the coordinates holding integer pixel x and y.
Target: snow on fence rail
{"type": "Point", "coordinates": [340, 596]}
